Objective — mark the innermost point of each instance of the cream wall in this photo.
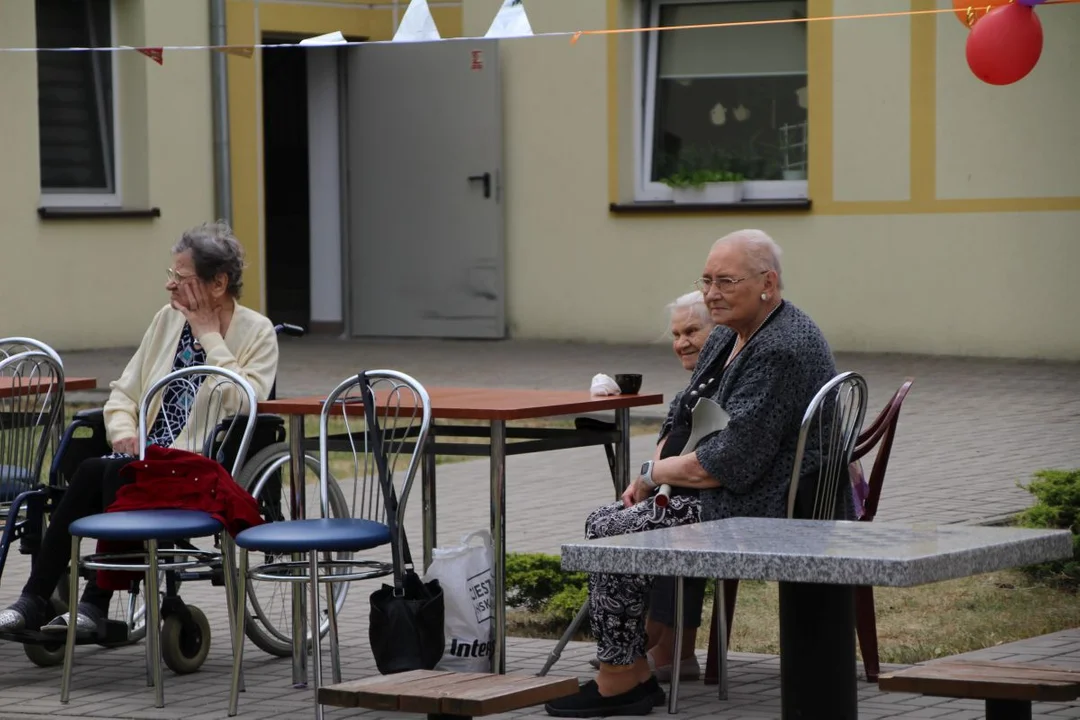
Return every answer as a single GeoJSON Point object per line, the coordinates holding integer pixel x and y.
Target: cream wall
{"type": "Point", "coordinates": [96, 283]}
{"type": "Point", "coordinates": [946, 212]}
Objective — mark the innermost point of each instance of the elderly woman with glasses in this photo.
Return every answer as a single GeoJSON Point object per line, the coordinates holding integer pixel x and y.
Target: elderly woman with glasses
{"type": "Point", "coordinates": [763, 367]}
{"type": "Point", "coordinates": [203, 324]}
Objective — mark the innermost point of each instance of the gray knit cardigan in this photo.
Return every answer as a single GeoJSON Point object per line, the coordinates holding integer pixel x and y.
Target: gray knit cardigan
{"type": "Point", "coordinates": [766, 391]}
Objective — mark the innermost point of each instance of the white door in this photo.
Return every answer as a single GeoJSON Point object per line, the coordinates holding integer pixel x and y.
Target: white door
{"type": "Point", "coordinates": [425, 190]}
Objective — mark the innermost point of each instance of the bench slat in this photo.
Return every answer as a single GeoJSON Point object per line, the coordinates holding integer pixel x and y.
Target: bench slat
{"type": "Point", "coordinates": [512, 693]}
{"type": "Point", "coordinates": [435, 692]}
{"type": "Point", "coordinates": [986, 681]}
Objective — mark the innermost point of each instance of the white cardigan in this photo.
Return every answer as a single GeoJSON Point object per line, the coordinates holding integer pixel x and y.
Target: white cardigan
{"type": "Point", "coordinates": [249, 348]}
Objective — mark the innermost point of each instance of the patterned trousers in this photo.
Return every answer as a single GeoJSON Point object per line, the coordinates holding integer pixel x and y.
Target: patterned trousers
{"type": "Point", "coordinates": [618, 603]}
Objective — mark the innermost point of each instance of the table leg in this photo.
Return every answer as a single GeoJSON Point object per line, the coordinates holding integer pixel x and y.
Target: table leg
{"type": "Point", "coordinates": [817, 652]}
{"type": "Point", "coordinates": [622, 448]}
{"type": "Point", "coordinates": [1008, 710]}
{"type": "Point", "coordinates": [676, 659]}
{"type": "Point", "coordinates": [298, 495]}
{"type": "Point", "coordinates": [427, 488]}
{"type": "Point", "coordinates": [498, 539]}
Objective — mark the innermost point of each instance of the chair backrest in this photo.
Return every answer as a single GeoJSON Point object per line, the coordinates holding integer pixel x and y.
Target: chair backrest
{"type": "Point", "coordinates": [386, 440]}
{"type": "Point", "coordinates": [881, 431]}
{"type": "Point", "coordinates": [31, 409]}
{"type": "Point", "coordinates": [222, 407]}
{"type": "Point", "coordinates": [827, 438]}
{"type": "Point", "coordinates": [14, 345]}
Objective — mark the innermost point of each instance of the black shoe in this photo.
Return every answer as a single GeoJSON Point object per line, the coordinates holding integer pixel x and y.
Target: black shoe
{"type": "Point", "coordinates": [588, 702]}
{"type": "Point", "coordinates": [653, 689]}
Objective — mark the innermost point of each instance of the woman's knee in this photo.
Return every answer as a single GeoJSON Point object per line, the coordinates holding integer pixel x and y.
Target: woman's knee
{"type": "Point", "coordinates": [598, 517]}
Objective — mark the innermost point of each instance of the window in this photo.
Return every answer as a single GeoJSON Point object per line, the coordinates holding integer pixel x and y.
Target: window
{"type": "Point", "coordinates": [729, 100]}
{"type": "Point", "coordinates": [76, 111]}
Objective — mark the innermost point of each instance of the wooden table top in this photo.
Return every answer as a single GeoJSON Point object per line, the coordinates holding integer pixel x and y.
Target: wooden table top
{"type": "Point", "coordinates": [449, 403]}
{"type": "Point", "coordinates": [70, 384]}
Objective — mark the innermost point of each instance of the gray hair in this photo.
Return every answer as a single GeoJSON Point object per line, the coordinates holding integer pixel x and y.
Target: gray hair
{"type": "Point", "coordinates": [762, 252]}
{"type": "Point", "coordinates": [694, 302]}
{"type": "Point", "coordinates": [215, 250]}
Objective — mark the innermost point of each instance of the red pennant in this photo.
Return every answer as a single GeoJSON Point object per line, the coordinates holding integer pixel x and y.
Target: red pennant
{"type": "Point", "coordinates": [154, 53]}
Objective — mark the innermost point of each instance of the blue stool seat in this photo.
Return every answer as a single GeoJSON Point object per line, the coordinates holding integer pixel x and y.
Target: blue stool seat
{"type": "Point", "coordinates": [13, 481]}
{"type": "Point", "coordinates": [146, 525]}
{"type": "Point", "coordinates": [330, 535]}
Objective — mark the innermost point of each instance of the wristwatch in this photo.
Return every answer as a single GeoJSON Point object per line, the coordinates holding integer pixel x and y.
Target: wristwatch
{"type": "Point", "coordinates": [646, 474]}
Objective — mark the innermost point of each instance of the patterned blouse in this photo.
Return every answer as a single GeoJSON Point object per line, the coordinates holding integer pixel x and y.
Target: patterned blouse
{"type": "Point", "coordinates": [178, 396]}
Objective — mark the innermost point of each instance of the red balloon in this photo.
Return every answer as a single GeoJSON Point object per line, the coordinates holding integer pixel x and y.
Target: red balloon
{"type": "Point", "coordinates": [1005, 45]}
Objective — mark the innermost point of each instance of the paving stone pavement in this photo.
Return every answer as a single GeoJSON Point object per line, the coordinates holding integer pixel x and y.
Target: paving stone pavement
{"type": "Point", "coordinates": [970, 430]}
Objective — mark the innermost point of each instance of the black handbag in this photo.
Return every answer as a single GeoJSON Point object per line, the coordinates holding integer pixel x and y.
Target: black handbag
{"type": "Point", "coordinates": [406, 627]}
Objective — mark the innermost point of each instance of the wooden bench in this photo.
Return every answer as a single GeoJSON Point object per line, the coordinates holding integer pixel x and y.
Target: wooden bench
{"type": "Point", "coordinates": [447, 695]}
{"type": "Point", "coordinates": [1008, 688]}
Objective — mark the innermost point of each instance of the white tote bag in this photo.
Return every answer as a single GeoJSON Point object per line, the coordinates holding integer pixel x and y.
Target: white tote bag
{"type": "Point", "coordinates": [466, 577]}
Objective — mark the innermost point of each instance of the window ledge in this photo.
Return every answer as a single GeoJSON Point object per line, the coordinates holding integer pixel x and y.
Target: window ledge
{"type": "Point", "coordinates": [91, 213]}
{"type": "Point", "coordinates": [638, 208]}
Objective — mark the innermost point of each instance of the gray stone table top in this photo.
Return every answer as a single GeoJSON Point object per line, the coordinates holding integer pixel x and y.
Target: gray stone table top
{"type": "Point", "coordinates": [838, 553]}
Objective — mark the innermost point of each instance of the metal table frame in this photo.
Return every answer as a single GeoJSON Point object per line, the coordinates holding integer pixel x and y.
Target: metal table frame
{"type": "Point", "coordinates": [503, 441]}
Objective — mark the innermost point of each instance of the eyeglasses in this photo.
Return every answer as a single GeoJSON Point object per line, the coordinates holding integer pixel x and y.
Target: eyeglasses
{"type": "Point", "coordinates": [176, 277]}
{"type": "Point", "coordinates": [723, 285]}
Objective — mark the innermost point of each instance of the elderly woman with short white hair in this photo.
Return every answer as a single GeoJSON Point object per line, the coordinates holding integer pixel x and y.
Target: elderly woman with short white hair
{"type": "Point", "coordinates": [764, 372]}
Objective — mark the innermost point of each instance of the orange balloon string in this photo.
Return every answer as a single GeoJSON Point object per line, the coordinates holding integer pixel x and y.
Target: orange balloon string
{"type": "Point", "coordinates": [788, 21]}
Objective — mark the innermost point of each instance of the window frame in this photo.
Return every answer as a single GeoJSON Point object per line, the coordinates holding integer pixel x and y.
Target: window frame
{"type": "Point", "coordinates": [91, 197]}
{"type": "Point", "coordinates": [647, 51]}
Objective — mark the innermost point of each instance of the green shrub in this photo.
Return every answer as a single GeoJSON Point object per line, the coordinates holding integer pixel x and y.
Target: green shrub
{"type": "Point", "coordinates": [533, 580]}
{"type": "Point", "coordinates": [1057, 506]}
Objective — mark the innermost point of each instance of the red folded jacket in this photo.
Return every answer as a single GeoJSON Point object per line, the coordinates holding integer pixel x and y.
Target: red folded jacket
{"type": "Point", "coordinates": [168, 479]}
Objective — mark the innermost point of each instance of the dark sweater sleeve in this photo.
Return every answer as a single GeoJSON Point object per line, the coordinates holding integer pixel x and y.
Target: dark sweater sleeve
{"type": "Point", "coordinates": [761, 407]}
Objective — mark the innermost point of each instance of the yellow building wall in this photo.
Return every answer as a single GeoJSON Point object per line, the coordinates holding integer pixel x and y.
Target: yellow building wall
{"type": "Point", "coordinates": [249, 22]}
{"type": "Point", "coordinates": [97, 283]}
{"type": "Point", "coordinates": [946, 212]}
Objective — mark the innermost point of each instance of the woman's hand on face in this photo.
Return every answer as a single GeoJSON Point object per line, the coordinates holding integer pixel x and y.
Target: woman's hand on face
{"type": "Point", "coordinates": [198, 309]}
{"type": "Point", "coordinates": [128, 446]}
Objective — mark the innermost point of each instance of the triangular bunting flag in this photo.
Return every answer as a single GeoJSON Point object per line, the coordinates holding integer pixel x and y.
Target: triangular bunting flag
{"type": "Point", "coordinates": [510, 21]}
{"type": "Point", "coordinates": [244, 52]}
{"type": "Point", "coordinates": [417, 24]}
{"type": "Point", "coordinates": [154, 53]}
{"type": "Point", "coordinates": [334, 38]}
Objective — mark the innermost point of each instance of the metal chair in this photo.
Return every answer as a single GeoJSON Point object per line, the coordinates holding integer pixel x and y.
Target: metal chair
{"type": "Point", "coordinates": [390, 444]}
{"type": "Point", "coordinates": [218, 394]}
{"type": "Point", "coordinates": [819, 489]}
{"type": "Point", "coordinates": [13, 346]}
{"type": "Point", "coordinates": [29, 417]}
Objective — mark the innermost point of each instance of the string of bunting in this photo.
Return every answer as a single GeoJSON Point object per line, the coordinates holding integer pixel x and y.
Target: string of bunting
{"type": "Point", "coordinates": [1004, 44]}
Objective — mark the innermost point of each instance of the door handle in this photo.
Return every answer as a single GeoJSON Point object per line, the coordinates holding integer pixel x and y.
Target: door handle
{"type": "Point", "coordinates": [486, 179]}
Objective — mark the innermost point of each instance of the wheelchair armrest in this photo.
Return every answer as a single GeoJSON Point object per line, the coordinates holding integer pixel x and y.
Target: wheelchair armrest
{"type": "Point", "coordinates": [91, 416]}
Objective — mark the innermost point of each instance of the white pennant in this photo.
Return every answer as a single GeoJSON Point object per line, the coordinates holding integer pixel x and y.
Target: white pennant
{"type": "Point", "coordinates": [333, 38]}
{"type": "Point", "coordinates": [510, 21]}
{"type": "Point", "coordinates": [417, 24]}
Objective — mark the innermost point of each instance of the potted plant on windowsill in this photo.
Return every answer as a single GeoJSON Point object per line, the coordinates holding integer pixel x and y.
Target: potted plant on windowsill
{"type": "Point", "coordinates": [705, 187]}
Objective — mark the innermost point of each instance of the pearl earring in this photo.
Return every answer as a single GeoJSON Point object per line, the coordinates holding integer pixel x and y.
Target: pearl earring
{"type": "Point", "coordinates": [764, 296]}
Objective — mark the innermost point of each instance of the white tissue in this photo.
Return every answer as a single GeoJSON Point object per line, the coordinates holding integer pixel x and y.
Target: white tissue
{"type": "Point", "coordinates": [604, 385]}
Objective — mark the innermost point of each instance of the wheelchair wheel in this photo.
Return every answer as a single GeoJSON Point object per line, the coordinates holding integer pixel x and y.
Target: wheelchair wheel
{"type": "Point", "coordinates": [185, 645]}
{"type": "Point", "coordinates": [51, 654]}
{"type": "Point", "coordinates": [268, 615]}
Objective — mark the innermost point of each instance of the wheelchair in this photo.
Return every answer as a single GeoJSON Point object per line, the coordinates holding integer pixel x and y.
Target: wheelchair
{"type": "Point", "coordinates": [185, 629]}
